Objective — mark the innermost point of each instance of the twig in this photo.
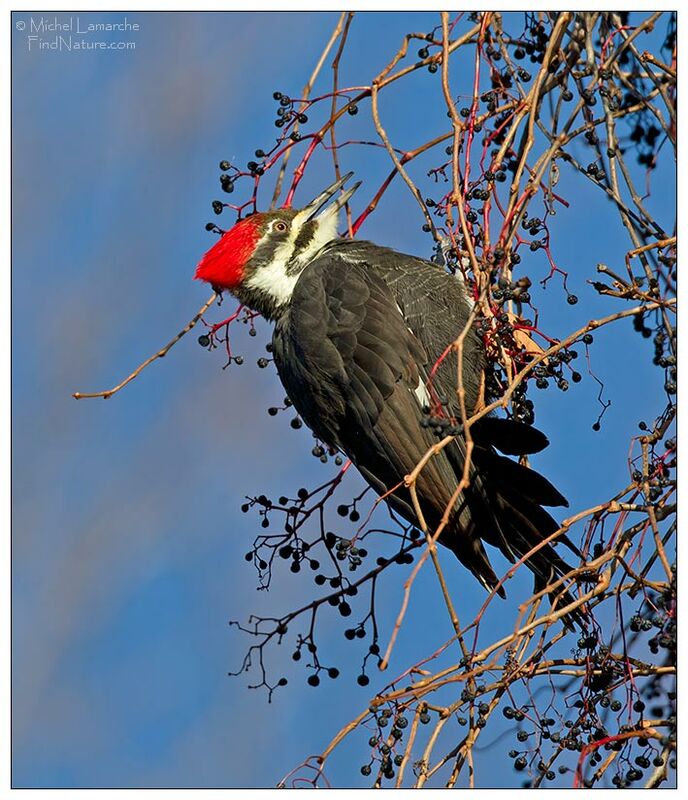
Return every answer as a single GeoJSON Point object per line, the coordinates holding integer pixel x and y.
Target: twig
{"type": "Point", "coordinates": [107, 393]}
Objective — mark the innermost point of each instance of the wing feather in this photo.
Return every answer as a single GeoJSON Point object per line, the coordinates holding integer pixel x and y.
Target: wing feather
{"type": "Point", "coordinates": [353, 343]}
{"type": "Point", "coordinates": [350, 352]}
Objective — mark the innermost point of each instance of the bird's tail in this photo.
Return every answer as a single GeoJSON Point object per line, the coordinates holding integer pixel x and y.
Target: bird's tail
{"type": "Point", "coordinates": [524, 525]}
{"type": "Point", "coordinates": [505, 504]}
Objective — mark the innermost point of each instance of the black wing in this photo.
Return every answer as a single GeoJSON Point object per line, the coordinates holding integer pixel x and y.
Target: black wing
{"type": "Point", "coordinates": [353, 368]}
{"type": "Point", "coordinates": [355, 371]}
{"type": "Point", "coordinates": [436, 308]}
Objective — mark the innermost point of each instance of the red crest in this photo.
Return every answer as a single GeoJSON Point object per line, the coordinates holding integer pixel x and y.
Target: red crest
{"type": "Point", "coordinates": [223, 265]}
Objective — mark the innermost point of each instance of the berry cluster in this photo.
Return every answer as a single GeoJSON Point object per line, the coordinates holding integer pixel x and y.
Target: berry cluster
{"type": "Point", "coordinates": [387, 745]}
{"type": "Point", "coordinates": [329, 558]}
{"type": "Point", "coordinates": [286, 114]}
{"type": "Point", "coordinates": [507, 290]}
{"type": "Point", "coordinates": [660, 616]}
{"type": "Point", "coordinates": [584, 728]}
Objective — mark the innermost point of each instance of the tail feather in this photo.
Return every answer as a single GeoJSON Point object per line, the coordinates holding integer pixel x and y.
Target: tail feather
{"type": "Point", "coordinates": [527, 525]}
{"type": "Point", "coordinates": [505, 500]}
{"type": "Point", "coordinates": [508, 436]}
{"type": "Point", "coordinates": [511, 476]}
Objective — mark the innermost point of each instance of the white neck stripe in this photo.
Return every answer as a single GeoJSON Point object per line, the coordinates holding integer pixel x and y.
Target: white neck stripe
{"type": "Point", "coordinates": [273, 279]}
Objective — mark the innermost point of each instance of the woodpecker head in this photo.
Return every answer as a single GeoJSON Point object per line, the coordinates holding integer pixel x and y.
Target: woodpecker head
{"type": "Point", "coordinates": [260, 259]}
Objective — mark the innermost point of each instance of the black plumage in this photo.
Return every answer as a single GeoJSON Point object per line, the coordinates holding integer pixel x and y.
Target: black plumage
{"type": "Point", "coordinates": [354, 347]}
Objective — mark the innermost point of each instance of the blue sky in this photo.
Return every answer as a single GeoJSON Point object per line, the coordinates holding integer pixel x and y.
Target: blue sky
{"type": "Point", "coordinates": [128, 540]}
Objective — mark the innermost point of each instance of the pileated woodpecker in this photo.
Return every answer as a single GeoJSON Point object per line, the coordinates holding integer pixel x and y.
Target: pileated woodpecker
{"type": "Point", "coordinates": [358, 330]}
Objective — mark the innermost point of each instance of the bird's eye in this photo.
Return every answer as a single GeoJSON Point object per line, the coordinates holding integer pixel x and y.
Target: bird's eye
{"type": "Point", "coordinates": [281, 227]}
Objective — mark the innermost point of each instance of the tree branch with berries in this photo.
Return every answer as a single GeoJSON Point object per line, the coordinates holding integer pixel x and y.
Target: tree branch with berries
{"type": "Point", "coordinates": [532, 108]}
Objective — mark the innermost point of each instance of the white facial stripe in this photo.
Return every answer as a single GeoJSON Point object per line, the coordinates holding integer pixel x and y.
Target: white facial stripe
{"type": "Point", "coordinates": [325, 232]}
{"type": "Point", "coordinates": [273, 279]}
